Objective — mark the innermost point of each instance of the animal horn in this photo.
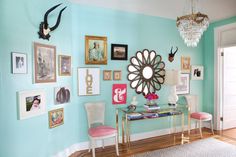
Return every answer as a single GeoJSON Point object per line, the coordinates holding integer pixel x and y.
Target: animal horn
{"type": "Point", "coordinates": [58, 20]}
{"type": "Point", "coordinates": [171, 50]}
{"type": "Point", "coordinates": [46, 15]}
{"type": "Point", "coordinates": [176, 50]}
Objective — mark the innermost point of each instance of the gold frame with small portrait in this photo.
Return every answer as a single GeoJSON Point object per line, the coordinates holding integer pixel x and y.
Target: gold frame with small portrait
{"type": "Point", "coordinates": [91, 56]}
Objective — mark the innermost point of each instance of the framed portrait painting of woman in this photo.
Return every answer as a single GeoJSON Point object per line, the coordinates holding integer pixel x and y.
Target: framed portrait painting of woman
{"type": "Point", "coordinates": [95, 50]}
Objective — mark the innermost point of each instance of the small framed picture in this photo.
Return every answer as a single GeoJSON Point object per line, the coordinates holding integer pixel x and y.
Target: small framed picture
{"type": "Point", "coordinates": [19, 63]}
{"type": "Point", "coordinates": [119, 52]}
{"type": "Point", "coordinates": [64, 65]}
{"type": "Point", "coordinates": [56, 117]}
{"type": "Point", "coordinates": [95, 50]}
{"type": "Point", "coordinates": [119, 94]}
{"type": "Point", "coordinates": [107, 75]}
{"type": "Point", "coordinates": [62, 95]}
{"type": "Point", "coordinates": [184, 86]}
{"type": "Point", "coordinates": [117, 75]}
{"type": "Point", "coordinates": [31, 103]}
{"type": "Point", "coordinates": [185, 64]}
{"type": "Point", "coordinates": [44, 63]}
{"type": "Point", "coordinates": [197, 72]}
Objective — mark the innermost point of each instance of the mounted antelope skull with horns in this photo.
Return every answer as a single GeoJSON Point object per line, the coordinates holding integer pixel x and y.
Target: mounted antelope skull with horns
{"type": "Point", "coordinates": [44, 29]}
{"type": "Point", "coordinates": [172, 55]}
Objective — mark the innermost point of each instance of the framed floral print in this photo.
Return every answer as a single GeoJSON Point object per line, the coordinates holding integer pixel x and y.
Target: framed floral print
{"type": "Point", "coordinates": [56, 117]}
{"type": "Point", "coordinates": [44, 63]}
{"type": "Point", "coordinates": [95, 50]}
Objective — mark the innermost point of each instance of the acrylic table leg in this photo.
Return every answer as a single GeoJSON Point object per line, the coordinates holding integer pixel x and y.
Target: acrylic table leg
{"type": "Point", "coordinates": [117, 124]}
{"type": "Point", "coordinates": [123, 130]}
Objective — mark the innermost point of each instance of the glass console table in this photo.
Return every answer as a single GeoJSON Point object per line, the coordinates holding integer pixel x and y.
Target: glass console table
{"type": "Point", "coordinates": [141, 113]}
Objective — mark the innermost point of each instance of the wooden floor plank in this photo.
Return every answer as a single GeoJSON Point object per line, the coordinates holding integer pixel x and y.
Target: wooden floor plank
{"type": "Point", "coordinates": [149, 144]}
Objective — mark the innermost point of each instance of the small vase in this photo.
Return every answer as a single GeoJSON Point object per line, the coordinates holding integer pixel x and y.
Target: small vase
{"type": "Point", "coordinates": [151, 102]}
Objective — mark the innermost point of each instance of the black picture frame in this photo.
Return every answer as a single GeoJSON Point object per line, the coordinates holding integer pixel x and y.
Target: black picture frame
{"type": "Point", "coordinates": [119, 52]}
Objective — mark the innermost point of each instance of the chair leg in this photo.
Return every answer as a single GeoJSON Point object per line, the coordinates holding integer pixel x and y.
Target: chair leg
{"type": "Point", "coordinates": [200, 127]}
{"type": "Point", "coordinates": [103, 144]}
{"type": "Point", "coordinates": [93, 147]}
{"type": "Point", "coordinates": [117, 149]}
{"type": "Point", "coordinates": [189, 126]}
{"type": "Point", "coordinates": [212, 129]}
{"type": "Point", "coordinates": [90, 142]}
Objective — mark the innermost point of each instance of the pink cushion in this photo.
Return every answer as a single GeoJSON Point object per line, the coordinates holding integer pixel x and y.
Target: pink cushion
{"type": "Point", "coordinates": [201, 115]}
{"type": "Point", "coordinates": [101, 131]}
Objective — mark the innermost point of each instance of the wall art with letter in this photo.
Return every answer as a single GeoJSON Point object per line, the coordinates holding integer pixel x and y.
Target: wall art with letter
{"type": "Point", "coordinates": [197, 72]}
{"type": "Point", "coordinates": [62, 95]}
{"type": "Point", "coordinates": [88, 81]}
{"type": "Point", "coordinates": [119, 93]}
{"type": "Point", "coordinates": [31, 103]}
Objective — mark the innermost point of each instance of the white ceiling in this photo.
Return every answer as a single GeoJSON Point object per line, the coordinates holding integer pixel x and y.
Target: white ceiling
{"type": "Point", "coordinates": [215, 9]}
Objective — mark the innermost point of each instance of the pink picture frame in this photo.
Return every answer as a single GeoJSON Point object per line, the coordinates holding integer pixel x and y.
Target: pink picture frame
{"type": "Point", "coordinates": [119, 94]}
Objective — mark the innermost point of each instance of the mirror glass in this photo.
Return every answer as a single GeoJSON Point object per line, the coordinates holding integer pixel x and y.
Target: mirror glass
{"type": "Point", "coordinates": [146, 72]}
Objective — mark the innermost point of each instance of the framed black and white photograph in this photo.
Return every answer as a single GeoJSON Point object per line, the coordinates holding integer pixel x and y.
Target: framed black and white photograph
{"type": "Point", "coordinates": [19, 63]}
{"type": "Point", "coordinates": [119, 52]}
{"type": "Point", "coordinates": [184, 86]}
{"type": "Point", "coordinates": [197, 72]}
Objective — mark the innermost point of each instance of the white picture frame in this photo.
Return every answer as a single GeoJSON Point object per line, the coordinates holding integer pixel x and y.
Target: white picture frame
{"type": "Point", "coordinates": [184, 86]}
{"type": "Point", "coordinates": [31, 103]}
{"type": "Point", "coordinates": [19, 63]}
{"type": "Point", "coordinates": [88, 81]}
{"type": "Point", "coordinates": [197, 72]}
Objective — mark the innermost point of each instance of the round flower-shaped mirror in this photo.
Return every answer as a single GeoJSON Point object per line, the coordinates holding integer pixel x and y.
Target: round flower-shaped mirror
{"type": "Point", "coordinates": [146, 72]}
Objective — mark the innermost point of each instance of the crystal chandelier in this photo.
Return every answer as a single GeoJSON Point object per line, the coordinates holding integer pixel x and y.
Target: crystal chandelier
{"type": "Point", "coordinates": [192, 25]}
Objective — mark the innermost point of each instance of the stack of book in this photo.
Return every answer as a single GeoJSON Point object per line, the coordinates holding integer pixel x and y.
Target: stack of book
{"type": "Point", "coordinates": [133, 116]}
{"type": "Point", "coordinates": [151, 107]}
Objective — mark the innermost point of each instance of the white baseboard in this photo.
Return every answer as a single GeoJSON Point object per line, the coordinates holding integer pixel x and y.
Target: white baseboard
{"type": "Point", "coordinates": [134, 137]}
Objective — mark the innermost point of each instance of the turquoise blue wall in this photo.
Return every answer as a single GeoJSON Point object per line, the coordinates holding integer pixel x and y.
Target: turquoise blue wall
{"type": "Point", "coordinates": [208, 60]}
{"type": "Point", "coordinates": [19, 26]}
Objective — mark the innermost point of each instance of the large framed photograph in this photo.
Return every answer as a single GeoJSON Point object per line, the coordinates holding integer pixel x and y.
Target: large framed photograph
{"type": "Point", "coordinates": [88, 81]}
{"type": "Point", "coordinates": [95, 50]}
{"type": "Point", "coordinates": [185, 64]}
{"type": "Point", "coordinates": [119, 52]}
{"type": "Point", "coordinates": [184, 86]}
{"type": "Point", "coordinates": [44, 63]}
{"type": "Point", "coordinates": [56, 117]}
{"type": "Point", "coordinates": [19, 63]}
{"type": "Point", "coordinates": [31, 103]}
{"type": "Point", "coordinates": [64, 65]}
{"type": "Point", "coordinates": [197, 72]}
{"type": "Point", "coordinates": [62, 95]}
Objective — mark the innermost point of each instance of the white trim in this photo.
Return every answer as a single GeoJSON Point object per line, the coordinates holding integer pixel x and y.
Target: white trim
{"type": "Point", "coordinates": [134, 137]}
{"type": "Point", "coordinates": [217, 96]}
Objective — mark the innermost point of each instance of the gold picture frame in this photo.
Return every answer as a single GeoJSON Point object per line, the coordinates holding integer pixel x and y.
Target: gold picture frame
{"type": "Point", "coordinates": [117, 75]}
{"type": "Point", "coordinates": [64, 67]}
{"type": "Point", "coordinates": [56, 117]}
{"type": "Point", "coordinates": [95, 50]}
{"type": "Point", "coordinates": [185, 64]}
{"type": "Point", "coordinates": [107, 75]}
{"type": "Point", "coordinates": [44, 63]}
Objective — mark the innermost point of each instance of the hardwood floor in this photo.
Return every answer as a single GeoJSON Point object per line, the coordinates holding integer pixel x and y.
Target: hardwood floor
{"type": "Point", "coordinates": [230, 133]}
{"type": "Point", "coordinates": [149, 144]}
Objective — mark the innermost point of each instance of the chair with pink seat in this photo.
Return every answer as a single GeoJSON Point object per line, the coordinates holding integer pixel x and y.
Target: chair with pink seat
{"type": "Point", "coordinates": [96, 128]}
{"type": "Point", "coordinates": [199, 117]}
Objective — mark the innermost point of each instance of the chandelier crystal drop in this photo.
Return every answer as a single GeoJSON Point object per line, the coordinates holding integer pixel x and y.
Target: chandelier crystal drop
{"type": "Point", "coordinates": [192, 26]}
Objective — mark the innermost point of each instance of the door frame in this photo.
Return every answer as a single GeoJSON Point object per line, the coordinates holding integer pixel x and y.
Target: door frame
{"type": "Point", "coordinates": [218, 31]}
